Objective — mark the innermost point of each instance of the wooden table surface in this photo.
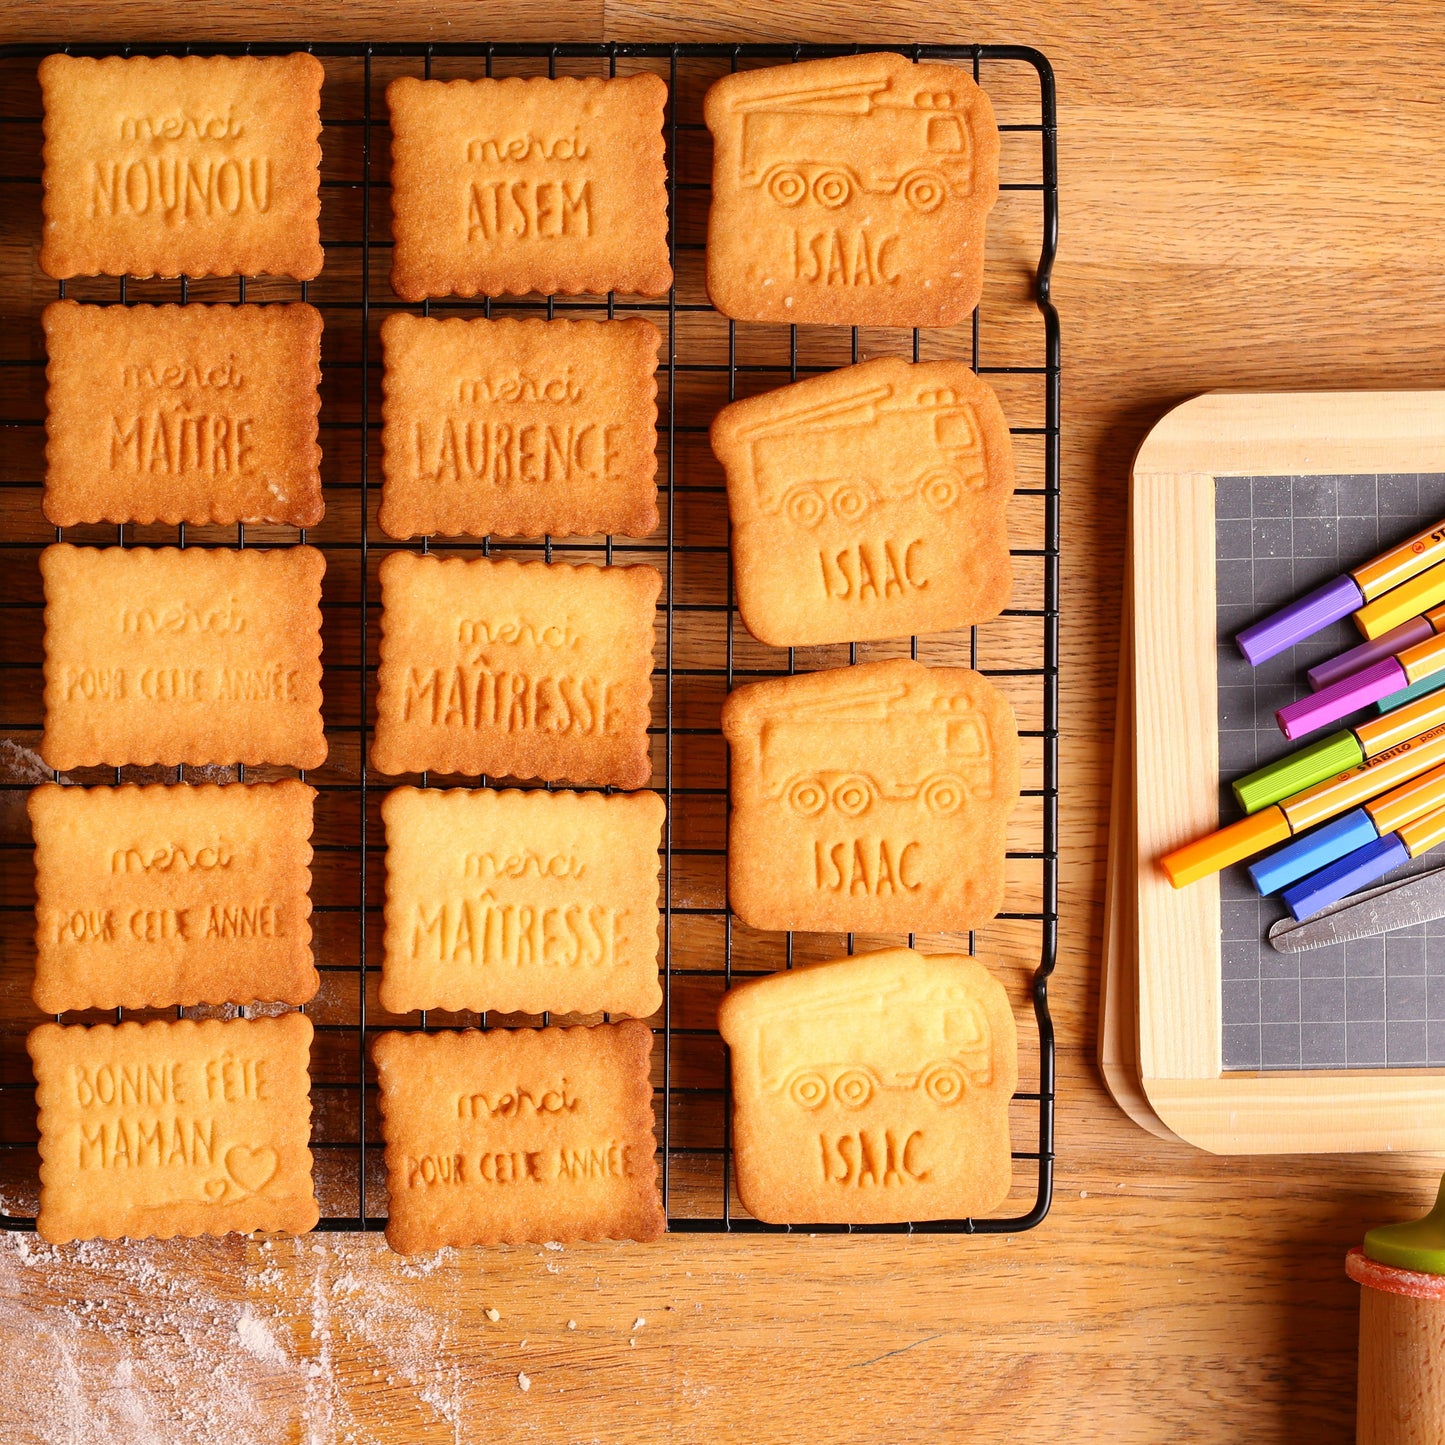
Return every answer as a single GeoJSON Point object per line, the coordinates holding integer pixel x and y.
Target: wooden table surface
{"type": "Point", "coordinates": [1250, 198]}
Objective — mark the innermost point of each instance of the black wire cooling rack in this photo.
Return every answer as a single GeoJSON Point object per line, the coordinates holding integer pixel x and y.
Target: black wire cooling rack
{"type": "Point", "coordinates": [706, 361]}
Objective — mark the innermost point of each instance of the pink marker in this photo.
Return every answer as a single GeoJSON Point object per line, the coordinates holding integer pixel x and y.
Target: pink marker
{"type": "Point", "coordinates": [1360, 689]}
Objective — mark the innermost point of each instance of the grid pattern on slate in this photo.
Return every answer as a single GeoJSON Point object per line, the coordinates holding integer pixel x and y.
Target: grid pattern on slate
{"type": "Point", "coordinates": [1372, 1002]}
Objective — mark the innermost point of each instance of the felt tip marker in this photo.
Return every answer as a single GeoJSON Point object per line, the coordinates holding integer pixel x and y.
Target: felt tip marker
{"type": "Point", "coordinates": [1408, 600]}
{"type": "Point", "coordinates": [1338, 752]}
{"type": "Point", "coordinates": [1281, 821]}
{"type": "Point", "coordinates": [1365, 865]}
{"type": "Point", "coordinates": [1349, 593]}
{"type": "Point", "coordinates": [1397, 639]}
{"type": "Point", "coordinates": [1360, 689]}
{"type": "Point", "coordinates": [1324, 845]}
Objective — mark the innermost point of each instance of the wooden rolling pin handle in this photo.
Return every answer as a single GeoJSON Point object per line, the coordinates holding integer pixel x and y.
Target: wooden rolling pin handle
{"type": "Point", "coordinates": [1402, 1354]}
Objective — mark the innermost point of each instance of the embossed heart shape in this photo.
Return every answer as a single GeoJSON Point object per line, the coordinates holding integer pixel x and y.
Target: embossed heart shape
{"type": "Point", "coordinates": [252, 1169]}
{"type": "Point", "coordinates": [215, 1189]}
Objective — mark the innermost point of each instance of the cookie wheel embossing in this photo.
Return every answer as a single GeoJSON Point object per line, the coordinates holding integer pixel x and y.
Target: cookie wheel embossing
{"type": "Point", "coordinates": [925, 191]}
{"type": "Point", "coordinates": [940, 490]}
{"type": "Point", "coordinates": [853, 1088]}
{"type": "Point", "coordinates": [787, 187]}
{"type": "Point", "coordinates": [944, 1084]}
{"type": "Point", "coordinates": [832, 189]}
{"type": "Point", "coordinates": [943, 795]}
{"type": "Point", "coordinates": [853, 796]}
{"type": "Point", "coordinates": [806, 507]}
{"type": "Point", "coordinates": [807, 796]}
{"type": "Point", "coordinates": [850, 502]}
{"type": "Point", "coordinates": [808, 1090]}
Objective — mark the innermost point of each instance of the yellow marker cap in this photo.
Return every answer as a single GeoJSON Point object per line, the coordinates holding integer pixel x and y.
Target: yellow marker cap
{"type": "Point", "coordinates": [1424, 833]}
{"type": "Point", "coordinates": [1233, 844]}
{"type": "Point", "coordinates": [1424, 658]}
{"type": "Point", "coordinates": [1409, 801]}
{"type": "Point", "coordinates": [1369, 780]}
{"type": "Point", "coordinates": [1401, 563]}
{"type": "Point", "coordinates": [1402, 603]}
{"type": "Point", "coordinates": [1401, 723]}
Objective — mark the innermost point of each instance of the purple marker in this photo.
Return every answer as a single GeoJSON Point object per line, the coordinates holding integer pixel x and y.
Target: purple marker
{"type": "Point", "coordinates": [1337, 599]}
{"type": "Point", "coordinates": [1301, 619]}
{"type": "Point", "coordinates": [1397, 639]}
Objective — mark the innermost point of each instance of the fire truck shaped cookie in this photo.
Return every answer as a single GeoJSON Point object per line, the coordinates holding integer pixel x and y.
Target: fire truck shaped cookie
{"type": "Point", "coordinates": [852, 190]}
{"type": "Point", "coordinates": [869, 502]}
{"type": "Point", "coordinates": [870, 798]}
{"type": "Point", "coordinates": [871, 1089]}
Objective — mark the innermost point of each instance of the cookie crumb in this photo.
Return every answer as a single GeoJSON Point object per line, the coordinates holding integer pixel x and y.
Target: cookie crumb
{"type": "Point", "coordinates": [571, 1324]}
{"type": "Point", "coordinates": [523, 1382]}
{"type": "Point", "coordinates": [493, 1315]}
{"type": "Point", "coordinates": [638, 1323]}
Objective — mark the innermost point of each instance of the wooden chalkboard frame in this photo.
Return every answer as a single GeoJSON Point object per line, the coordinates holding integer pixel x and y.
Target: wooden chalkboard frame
{"type": "Point", "coordinates": [1176, 769]}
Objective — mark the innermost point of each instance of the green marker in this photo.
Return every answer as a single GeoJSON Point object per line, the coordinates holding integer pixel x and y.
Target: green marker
{"type": "Point", "coordinates": [1338, 753]}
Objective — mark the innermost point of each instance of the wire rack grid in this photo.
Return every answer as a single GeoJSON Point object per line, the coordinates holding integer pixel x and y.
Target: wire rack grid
{"type": "Point", "coordinates": [706, 360]}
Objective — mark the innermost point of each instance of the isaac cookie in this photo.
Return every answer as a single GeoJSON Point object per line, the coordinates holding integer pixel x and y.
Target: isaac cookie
{"type": "Point", "coordinates": [172, 894]}
{"type": "Point", "coordinates": [519, 428]}
{"type": "Point", "coordinates": [516, 1136]}
{"type": "Point", "coordinates": [521, 902]}
{"type": "Point", "coordinates": [503, 187]}
{"type": "Point", "coordinates": [182, 414]}
{"type": "Point", "coordinates": [870, 799]}
{"type": "Point", "coordinates": [850, 191]}
{"type": "Point", "coordinates": [182, 166]}
{"type": "Point", "coordinates": [167, 1128]}
{"type": "Point", "coordinates": [868, 502]}
{"type": "Point", "coordinates": [182, 655]}
{"type": "Point", "coordinates": [515, 669]}
{"type": "Point", "coordinates": [872, 1090]}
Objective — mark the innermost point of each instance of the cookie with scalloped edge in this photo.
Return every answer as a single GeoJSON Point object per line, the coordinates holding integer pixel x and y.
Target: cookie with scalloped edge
{"type": "Point", "coordinates": [174, 1128]}
{"type": "Point", "coordinates": [504, 187]}
{"type": "Point", "coordinates": [190, 655]}
{"type": "Point", "coordinates": [519, 1136]}
{"type": "Point", "coordinates": [172, 894]}
{"type": "Point", "coordinates": [169, 165]}
{"type": "Point", "coordinates": [182, 414]}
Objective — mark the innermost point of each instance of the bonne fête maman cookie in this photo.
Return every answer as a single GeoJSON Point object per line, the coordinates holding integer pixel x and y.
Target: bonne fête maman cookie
{"type": "Point", "coordinates": [167, 1128]}
{"type": "Point", "coordinates": [174, 165]}
{"type": "Point", "coordinates": [182, 414]}
{"type": "Point", "coordinates": [868, 502]}
{"type": "Point", "coordinates": [503, 187]}
{"type": "Point", "coordinates": [872, 1090]}
{"type": "Point", "coordinates": [850, 191]}
{"type": "Point", "coordinates": [870, 799]}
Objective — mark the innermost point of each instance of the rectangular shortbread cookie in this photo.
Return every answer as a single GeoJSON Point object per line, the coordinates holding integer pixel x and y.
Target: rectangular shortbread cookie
{"type": "Point", "coordinates": [159, 1129]}
{"type": "Point", "coordinates": [868, 502]}
{"type": "Point", "coordinates": [182, 166]}
{"type": "Point", "coordinates": [518, 1136]}
{"type": "Point", "coordinates": [182, 414]}
{"type": "Point", "coordinates": [172, 894]}
{"type": "Point", "coordinates": [872, 1090]}
{"type": "Point", "coordinates": [850, 191]}
{"type": "Point", "coordinates": [870, 799]}
{"type": "Point", "coordinates": [519, 428]}
{"type": "Point", "coordinates": [167, 655]}
{"type": "Point", "coordinates": [515, 669]}
{"type": "Point", "coordinates": [522, 901]}
{"type": "Point", "coordinates": [518, 185]}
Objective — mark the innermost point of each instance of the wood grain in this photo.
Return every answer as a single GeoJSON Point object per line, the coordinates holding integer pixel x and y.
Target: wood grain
{"type": "Point", "coordinates": [1250, 199]}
